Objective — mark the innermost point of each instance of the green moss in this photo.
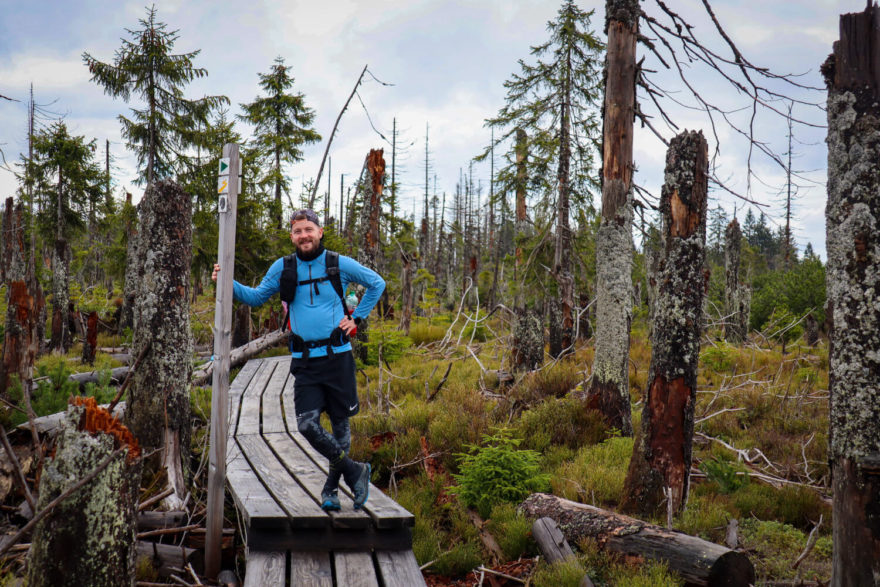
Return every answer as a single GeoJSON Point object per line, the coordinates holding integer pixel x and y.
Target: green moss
{"type": "Point", "coordinates": [596, 474]}
{"type": "Point", "coordinates": [567, 573]}
{"type": "Point", "coordinates": [512, 531]}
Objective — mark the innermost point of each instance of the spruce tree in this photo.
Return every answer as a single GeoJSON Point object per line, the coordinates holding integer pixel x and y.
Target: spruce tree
{"type": "Point", "coordinates": [283, 124]}
{"type": "Point", "coordinates": [161, 132]}
{"type": "Point", "coordinates": [555, 101]}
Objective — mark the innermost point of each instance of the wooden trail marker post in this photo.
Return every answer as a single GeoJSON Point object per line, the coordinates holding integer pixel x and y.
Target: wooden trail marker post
{"type": "Point", "coordinates": [227, 203]}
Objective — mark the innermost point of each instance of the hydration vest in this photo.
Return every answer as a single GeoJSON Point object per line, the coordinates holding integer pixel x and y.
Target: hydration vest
{"type": "Point", "coordinates": [289, 283]}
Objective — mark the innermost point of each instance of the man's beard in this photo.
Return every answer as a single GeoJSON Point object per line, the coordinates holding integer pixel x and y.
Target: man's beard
{"type": "Point", "coordinates": [316, 249]}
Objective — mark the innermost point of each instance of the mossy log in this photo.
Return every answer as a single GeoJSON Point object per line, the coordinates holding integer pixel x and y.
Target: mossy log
{"type": "Point", "coordinates": [852, 74]}
{"type": "Point", "coordinates": [658, 470]}
{"type": "Point", "coordinates": [89, 537]}
{"type": "Point", "coordinates": [697, 561]}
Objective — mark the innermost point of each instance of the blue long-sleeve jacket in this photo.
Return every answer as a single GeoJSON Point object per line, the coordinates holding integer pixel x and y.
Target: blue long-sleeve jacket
{"type": "Point", "coordinates": [315, 315]}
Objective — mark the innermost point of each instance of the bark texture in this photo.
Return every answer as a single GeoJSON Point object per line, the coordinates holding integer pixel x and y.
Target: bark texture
{"type": "Point", "coordinates": [90, 340]}
{"type": "Point", "coordinates": [368, 242]}
{"type": "Point", "coordinates": [609, 388]}
{"type": "Point", "coordinates": [555, 327]}
{"type": "Point", "coordinates": [89, 538]}
{"type": "Point", "coordinates": [61, 334]}
{"type": "Point", "coordinates": [132, 278]}
{"type": "Point", "coordinates": [661, 461]}
{"type": "Point", "coordinates": [737, 295]}
{"type": "Point", "coordinates": [159, 396]}
{"type": "Point", "coordinates": [697, 561]}
{"type": "Point", "coordinates": [528, 340]}
{"type": "Point", "coordinates": [241, 326]}
{"type": "Point", "coordinates": [24, 298]}
{"type": "Point", "coordinates": [852, 279]}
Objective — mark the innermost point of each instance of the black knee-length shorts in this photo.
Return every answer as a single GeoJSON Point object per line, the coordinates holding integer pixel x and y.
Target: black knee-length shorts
{"type": "Point", "coordinates": [326, 383]}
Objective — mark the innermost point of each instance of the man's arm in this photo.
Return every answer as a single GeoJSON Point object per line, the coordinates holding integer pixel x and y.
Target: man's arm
{"type": "Point", "coordinates": [256, 296]}
{"type": "Point", "coordinates": [365, 276]}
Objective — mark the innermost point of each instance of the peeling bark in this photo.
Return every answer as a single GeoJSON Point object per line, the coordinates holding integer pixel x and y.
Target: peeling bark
{"type": "Point", "coordinates": [661, 460]}
{"type": "Point", "coordinates": [90, 340]}
{"type": "Point", "coordinates": [89, 538]}
{"type": "Point", "coordinates": [159, 397]}
{"type": "Point", "coordinates": [25, 302]}
{"type": "Point", "coordinates": [697, 561]}
{"type": "Point", "coordinates": [368, 245]}
{"type": "Point", "coordinates": [610, 378]}
{"type": "Point", "coordinates": [852, 74]}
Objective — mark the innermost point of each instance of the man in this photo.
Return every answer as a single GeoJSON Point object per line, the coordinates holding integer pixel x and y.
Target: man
{"type": "Point", "coordinates": [322, 361]}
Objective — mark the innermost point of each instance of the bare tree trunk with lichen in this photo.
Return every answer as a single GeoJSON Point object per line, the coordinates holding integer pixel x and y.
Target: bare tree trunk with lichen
{"type": "Point", "coordinates": [609, 387]}
{"type": "Point", "coordinates": [61, 335]}
{"type": "Point", "coordinates": [737, 296]}
{"type": "Point", "coordinates": [408, 260]}
{"type": "Point", "coordinates": [24, 302]}
{"type": "Point", "coordinates": [852, 281]}
{"type": "Point", "coordinates": [89, 537]}
{"type": "Point", "coordinates": [158, 411]}
{"type": "Point", "coordinates": [129, 287]}
{"type": "Point", "coordinates": [660, 466]}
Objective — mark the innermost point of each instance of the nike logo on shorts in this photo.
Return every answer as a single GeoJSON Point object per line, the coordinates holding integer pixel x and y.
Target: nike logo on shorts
{"type": "Point", "coordinates": [352, 408]}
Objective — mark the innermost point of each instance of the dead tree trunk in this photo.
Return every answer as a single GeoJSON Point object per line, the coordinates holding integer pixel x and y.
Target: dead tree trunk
{"type": "Point", "coordinates": [852, 74]}
{"type": "Point", "coordinates": [661, 460]}
{"type": "Point", "coordinates": [811, 330]}
{"type": "Point", "coordinates": [61, 336]}
{"type": "Point", "coordinates": [528, 340]}
{"type": "Point", "coordinates": [609, 388]}
{"type": "Point", "coordinates": [129, 288]}
{"type": "Point", "coordinates": [406, 290]}
{"type": "Point", "coordinates": [90, 340]}
{"type": "Point", "coordinates": [556, 327]}
{"type": "Point", "coordinates": [89, 537]}
{"type": "Point", "coordinates": [158, 407]}
{"type": "Point", "coordinates": [368, 249]}
{"type": "Point", "coordinates": [24, 299]}
{"type": "Point", "coordinates": [697, 561]}
{"type": "Point", "coordinates": [737, 296]}
{"type": "Point", "coordinates": [241, 326]}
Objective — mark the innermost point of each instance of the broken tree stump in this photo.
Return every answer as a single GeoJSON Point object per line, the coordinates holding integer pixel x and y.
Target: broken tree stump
{"type": "Point", "coordinates": [89, 537]}
{"type": "Point", "coordinates": [697, 561]}
{"type": "Point", "coordinates": [852, 221]}
{"type": "Point", "coordinates": [658, 471]}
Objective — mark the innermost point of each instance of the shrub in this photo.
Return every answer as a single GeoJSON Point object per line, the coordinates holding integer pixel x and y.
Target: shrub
{"type": "Point", "coordinates": [596, 474]}
{"type": "Point", "coordinates": [718, 357]}
{"type": "Point", "coordinates": [497, 472]}
{"type": "Point", "coordinates": [566, 422]}
{"type": "Point", "coordinates": [727, 475]}
{"type": "Point", "coordinates": [512, 531]}
{"type": "Point", "coordinates": [567, 573]}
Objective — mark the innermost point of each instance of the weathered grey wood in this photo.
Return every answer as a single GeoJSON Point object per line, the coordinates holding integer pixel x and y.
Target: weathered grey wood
{"type": "Point", "coordinates": [160, 520]}
{"type": "Point", "coordinates": [273, 416]}
{"type": "Point", "coordinates": [307, 473]}
{"type": "Point", "coordinates": [551, 541]}
{"type": "Point", "coordinates": [698, 561]}
{"type": "Point", "coordinates": [398, 568]}
{"type": "Point", "coordinates": [302, 510]}
{"type": "Point", "coordinates": [258, 508]}
{"type": "Point", "coordinates": [167, 557]}
{"type": "Point", "coordinates": [386, 512]}
{"type": "Point", "coordinates": [355, 569]}
{"type": "Point", "coordinates": [237, 387]}
{"type": "Point", "coordinates": [220, 380]}
{"type": "Point", "coordinates": [249, 412]}
{"type": "Point", "coordinates": [265, 569]}
{"type": "Point", "coordinates": [310, 569]}
{"type": "Point", "coordinates": [241, 354]}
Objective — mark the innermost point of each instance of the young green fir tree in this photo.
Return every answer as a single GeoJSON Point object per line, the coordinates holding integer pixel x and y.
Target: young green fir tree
{"type": "Point", "coordinates": [283, 124]}
{"type": "Point", "coordinates": [161, 132]}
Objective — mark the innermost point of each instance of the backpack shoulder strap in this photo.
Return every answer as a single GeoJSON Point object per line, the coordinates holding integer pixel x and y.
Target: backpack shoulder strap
{"type": "Point", "coordinates": [331, 262]}
{"type": "Point", "coordinates": [288, 279]}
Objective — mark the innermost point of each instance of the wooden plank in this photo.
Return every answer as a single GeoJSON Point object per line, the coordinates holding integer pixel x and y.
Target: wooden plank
{"type": "Point", "coordinates": [310, 569]}
{"type": "Point", "coordinates": [312, 479]}
{"type": "Point", "coordinates": [302, 510]}
{"type": "Point", "coordinates": [273, 417]}
{"type": "Point", "coordinates": [386, 512]}
{"type": "Point", "coordinates": [355, 569]}
{"type": "Point", "coordinates": [254, 503]}
{"type": "Point", "coordinates": [235, 390]}
{"type": "Point", "coordinates": [265, 569]}
{"type": "Point", "coordinates": [249, 413]}
{"type": "Point", "coordinates": [398, 568]}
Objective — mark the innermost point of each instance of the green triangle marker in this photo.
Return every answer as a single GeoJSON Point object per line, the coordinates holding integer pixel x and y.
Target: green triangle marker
{"type": "Point", "coordinates": [223, 166]}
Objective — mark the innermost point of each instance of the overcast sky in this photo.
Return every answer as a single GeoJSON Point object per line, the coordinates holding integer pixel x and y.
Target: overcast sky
{"type": "Point", "coordinates": [448, 61]}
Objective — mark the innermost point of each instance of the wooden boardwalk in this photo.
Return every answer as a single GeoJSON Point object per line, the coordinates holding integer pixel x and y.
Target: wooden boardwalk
{"type": "Point", "coordinates": [276, 477]}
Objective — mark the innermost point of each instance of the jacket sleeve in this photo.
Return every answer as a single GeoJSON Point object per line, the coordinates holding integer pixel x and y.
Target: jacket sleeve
{"type": "Point", "coordinates": [257, 296]}
{"type": "Point", "coordinates": [351, 270]}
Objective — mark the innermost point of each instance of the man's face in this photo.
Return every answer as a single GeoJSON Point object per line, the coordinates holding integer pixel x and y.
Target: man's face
{"type": "Point", "coordinates": [306, 235]}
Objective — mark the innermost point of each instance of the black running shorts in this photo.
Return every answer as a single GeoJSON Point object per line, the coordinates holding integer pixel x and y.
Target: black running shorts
{"type": "Point", "coordinates": [326, 383]}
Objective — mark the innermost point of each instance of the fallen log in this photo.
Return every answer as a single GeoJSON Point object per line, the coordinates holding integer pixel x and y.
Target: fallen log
{"type": "Point", "coordinates": [168, 558]}
{"type": "Point", "coordinates": [698, 561]}
{"type": "Point", "coordinates": [553, 544]}
{"type": "Point", "coordinates": [241, 354]}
